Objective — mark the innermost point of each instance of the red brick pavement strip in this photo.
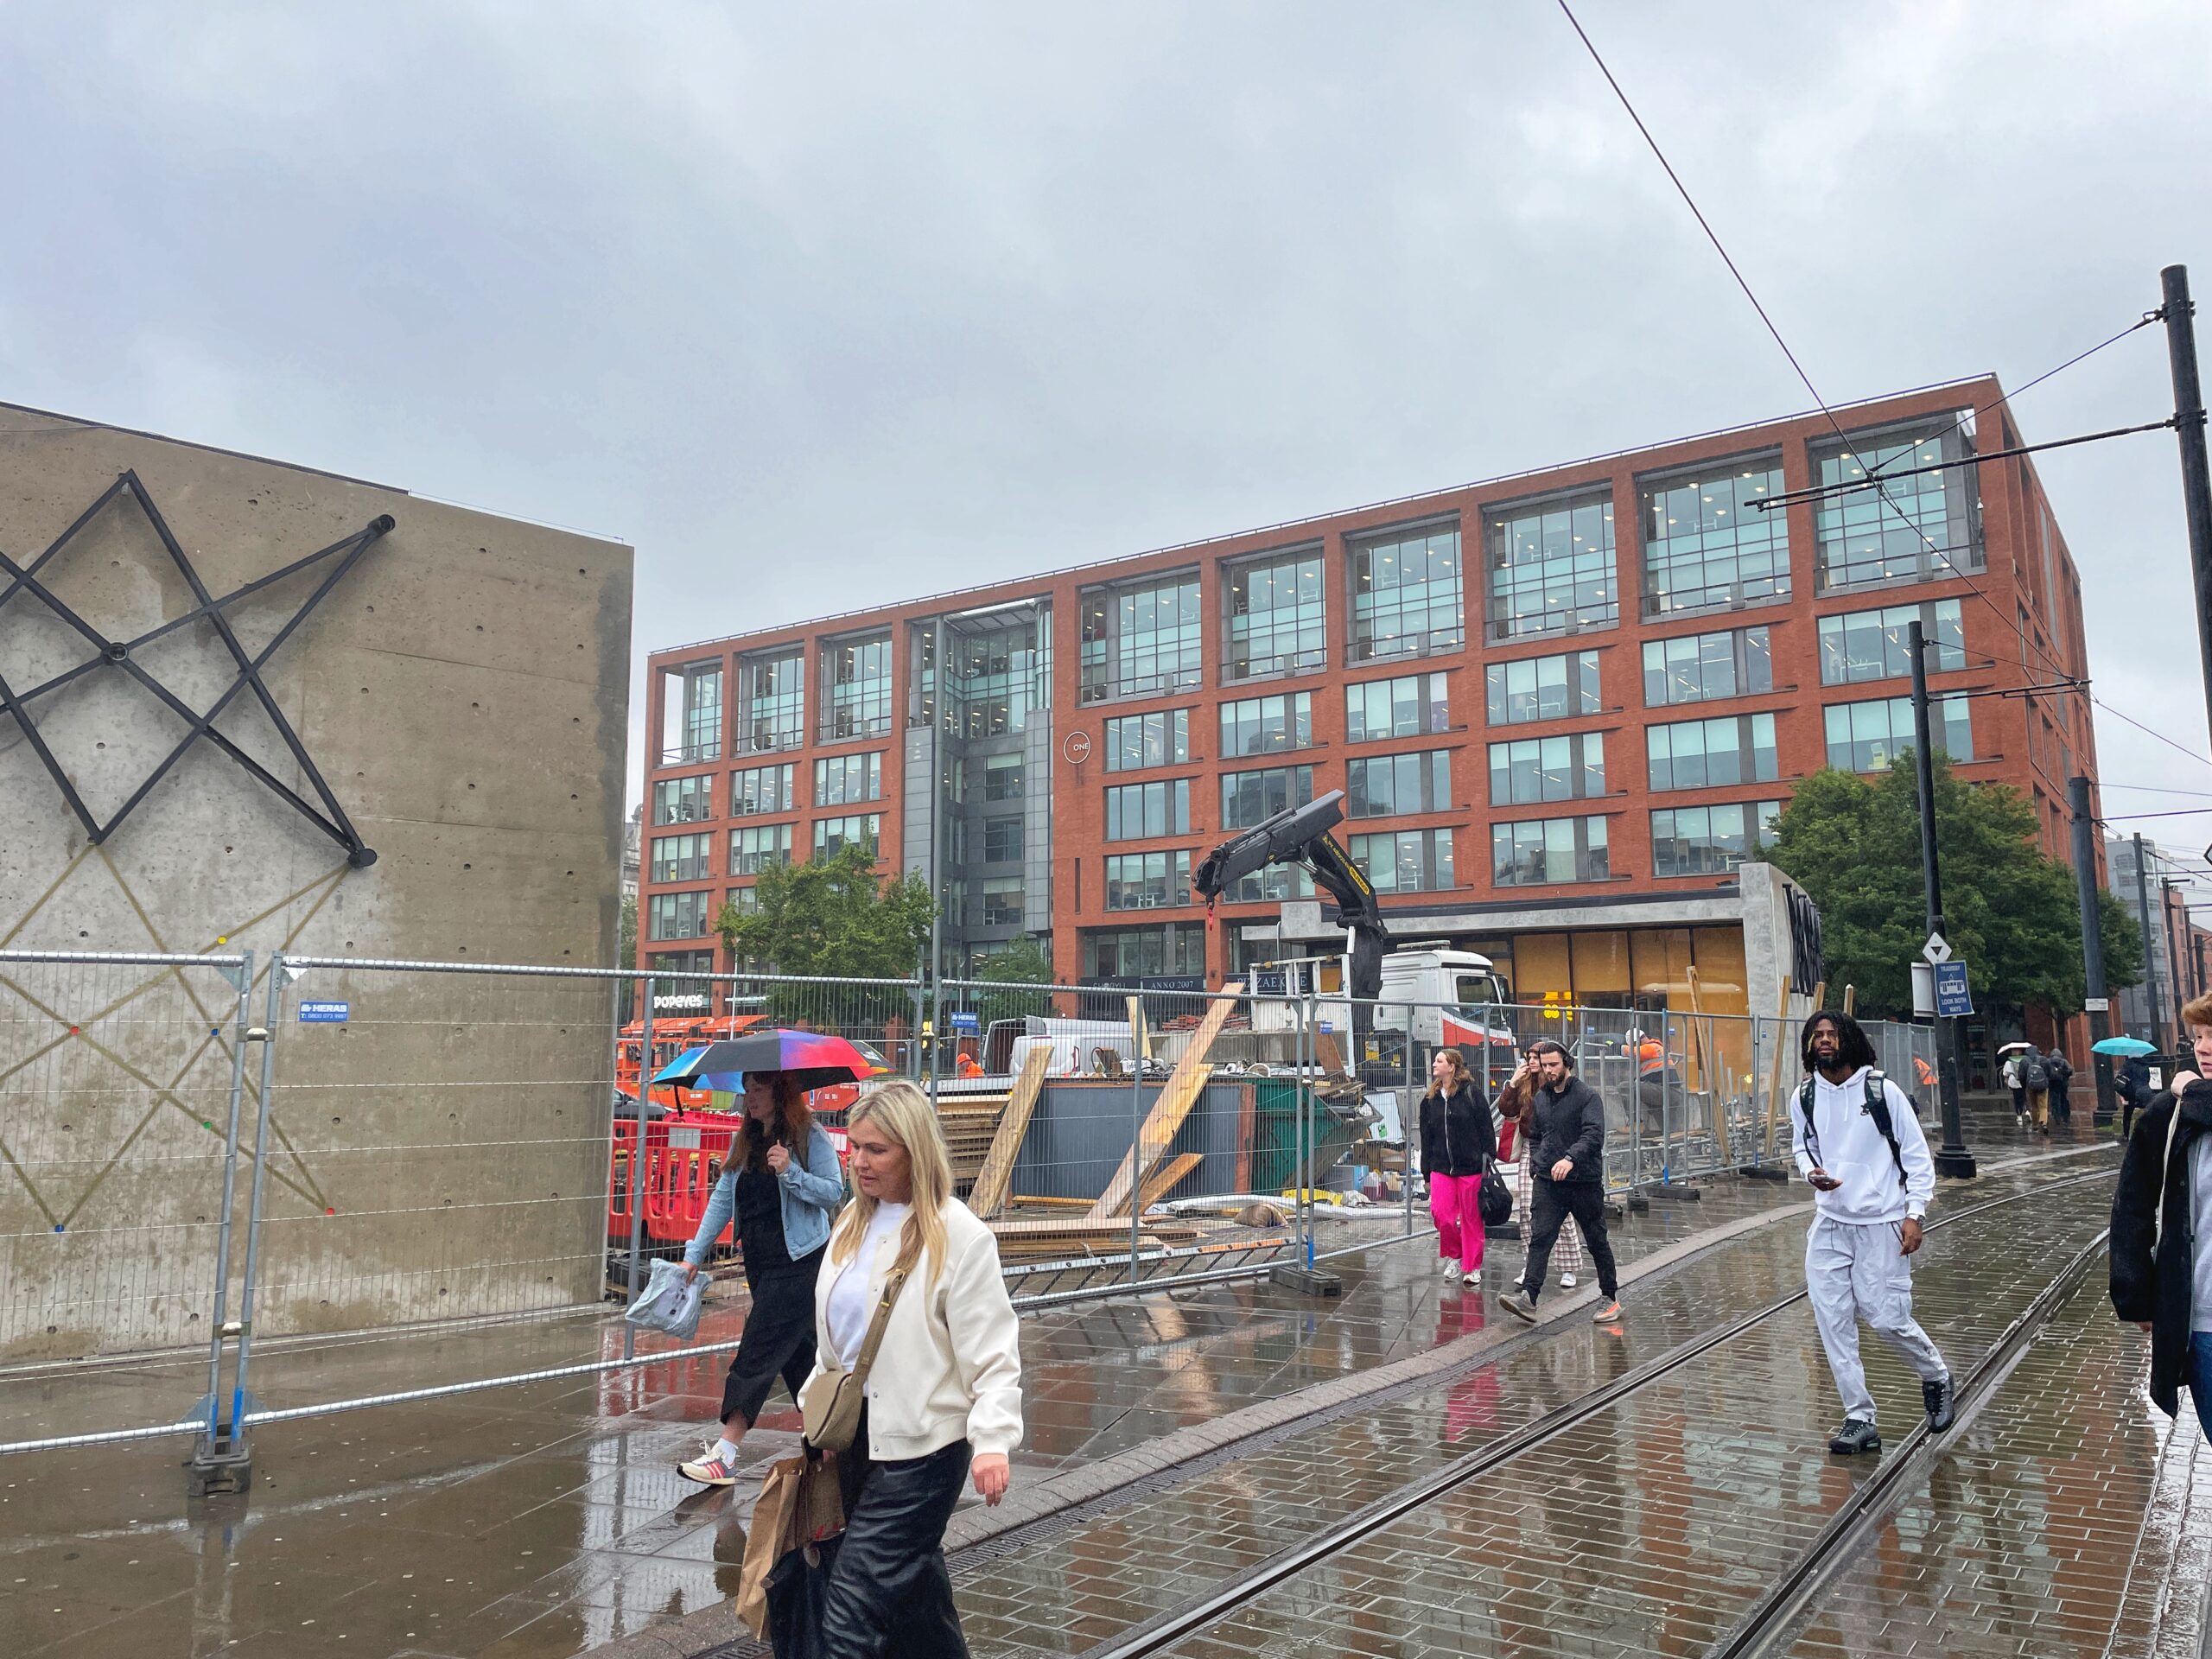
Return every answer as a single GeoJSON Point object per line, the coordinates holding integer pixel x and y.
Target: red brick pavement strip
{"type": "Point", "coordinates": [1650, 1527]}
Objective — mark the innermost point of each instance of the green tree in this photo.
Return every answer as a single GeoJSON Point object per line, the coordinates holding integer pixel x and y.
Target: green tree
{"type": "Point", "coordinates": [2009, 911]}
{"type": "Point", "coordinates": [1024, 962]}
{"type": "Point", "coordinates": [626, 953]}
{"type": "Point", "coordinates": [833, 916]}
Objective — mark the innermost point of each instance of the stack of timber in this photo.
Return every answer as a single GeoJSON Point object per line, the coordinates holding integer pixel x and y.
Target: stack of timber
{"type": "Point", "coordinates": [969, 1124]}
{"type": "Point", "coordinates": [1176, 1099]}
{"type": "Point", "coordinates": [1050, 1238]}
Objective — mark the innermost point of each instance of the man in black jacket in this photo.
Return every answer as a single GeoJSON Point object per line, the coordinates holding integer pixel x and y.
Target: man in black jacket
{"type": "Point", "coordinates": [1567, 1151]}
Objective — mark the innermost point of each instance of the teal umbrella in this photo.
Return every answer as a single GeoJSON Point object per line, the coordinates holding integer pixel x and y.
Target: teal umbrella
{"type": "Point", "coordinates": [2128, 1047]}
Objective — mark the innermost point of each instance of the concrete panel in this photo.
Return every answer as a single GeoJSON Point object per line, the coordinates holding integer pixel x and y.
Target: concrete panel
{"type": "Point", "coordinates": [463, 690]}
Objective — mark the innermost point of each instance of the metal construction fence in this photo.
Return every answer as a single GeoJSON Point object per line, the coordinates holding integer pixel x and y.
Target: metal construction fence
{"type": "Point", "coordinates": [220, 1149]}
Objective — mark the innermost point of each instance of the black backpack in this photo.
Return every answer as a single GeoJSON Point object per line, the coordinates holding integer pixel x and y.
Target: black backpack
{"type": "Point", "coordinates": [2034, 1074]}
{"type": "Point", "coordinates": [1877, 1108]}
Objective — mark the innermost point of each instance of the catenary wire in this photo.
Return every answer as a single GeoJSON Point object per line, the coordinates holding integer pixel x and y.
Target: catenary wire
{"type": "Point", "coordinates": [1828, 413]}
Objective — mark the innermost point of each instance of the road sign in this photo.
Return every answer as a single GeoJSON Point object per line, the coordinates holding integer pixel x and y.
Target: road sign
{"type": "Point", "coordinates": [1952, 997]}
{"type": "Point", "coordinates": [967, 1019]}
{"type": "Point", "coordinates": [1938, 949]}
{"type": "Point", "coordinates": [2096, 1005]}
{"type": "Point", "coordinates": [324, 1014]}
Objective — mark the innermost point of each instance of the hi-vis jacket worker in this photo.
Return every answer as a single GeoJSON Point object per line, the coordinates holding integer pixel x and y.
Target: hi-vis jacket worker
{"type": "Point", "coordinates": [1858, 1143]}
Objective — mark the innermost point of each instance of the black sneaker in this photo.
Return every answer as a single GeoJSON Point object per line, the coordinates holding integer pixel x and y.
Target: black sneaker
{"type": "Point", "coordinates": [1855, 1436]}
{"type": "Point", "coordinates": [1940, 1397]}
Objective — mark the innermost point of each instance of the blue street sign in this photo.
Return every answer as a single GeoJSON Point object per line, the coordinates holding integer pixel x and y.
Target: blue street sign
{"type": "Point", "coordinates": [324, 1014]}
{"type": "Point", "coordinates": [967, 1019]}
{"type": "Point", "coordinates": [1951, 994]}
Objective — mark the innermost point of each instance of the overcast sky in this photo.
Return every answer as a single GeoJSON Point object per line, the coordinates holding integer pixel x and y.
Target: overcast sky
{"type": "Point", "coordinates": [823, 306]}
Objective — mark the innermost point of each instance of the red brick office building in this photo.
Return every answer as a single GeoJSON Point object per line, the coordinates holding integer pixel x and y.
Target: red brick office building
{"type": "Point", "coordinates": [1561, 705]}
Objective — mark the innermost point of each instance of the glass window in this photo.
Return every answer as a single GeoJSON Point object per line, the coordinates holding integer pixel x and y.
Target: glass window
{"type": "Point", "coordinates": [1710, 840]}
{"type": "Point", "coordinates": [1542, 688]}
{"type": "Point", "coordinates": [1000, 673]}
{"type": "Point", "coordinates": [676, 915]}
{"type": "Point", "coordinates": [1915, 529]}
{"type": "Point", "coordinates": [772, 693]}
{"type": "Point", "coordinates": [683, 800]}
{"type": "Point", "coordinates": [744, 900]}
{"type": "Point", "coordinates": [1405, 595]}
{"type": "Point", "coordinates": [849, 777]}
{"type": "Point", "coordinates": [1551, 567]}
{"type": "Point", "coordinates": [1267, 725]}
{"type": "Point", "coordinates": [1250, 797]}
{"type": "Point", "coordinates": [1699, 667]}
{"type": "Point", "coordinates": [1002, 777]}
{"type": "Point", "coordinates": [755, 847]}
{"type": "Point", "coordinates": [832, 835]}
{"type": "Point", "coordinates": [1141, 642]}
{"type": "Point", "coordinates": [1391, 786]}
{"type": "Point", "coordinates": [1135, 741]}
{"type": "Point", "coordinates": [1148, 881]}
{"type": "Point", "coordinates": [1532, 769]}
{"type": "Point", "coordinates": [1002, 840]}
{"type": "Point", "coordinates": [1541, 851]}
{"type": "Point", "coordinates": [856, 688]}
{"type": "Point", "coordinates": [1277, 619]}
{"type": "Point", "coordinates": [1409, 860]}
{"type": "Point", "coordinates": [680, 858]}
{"type": "Point", "coordinates": [691, 713]}
{"type": "Point", "coordinates": [1163, 950]}
{"type": "Point", "coordinates": [761, 789]}
{"type": "Point", "coordinates": [1859, 646]}
{"type": "Point", "coordinates": [1706, 544]}
{"type": "Point", "coordinates": [1272, 885]}
{"type": "Point", "coordinates": [1412, 706]}
{"type": "Point", "coordinates": [1001, 897]}
{"type": "Point", "coordinates": [1699, 754]}
{"type": "Point", "coordinates": [1867, 736]}
{"type": "Point", "coordinates": [1135, 811]}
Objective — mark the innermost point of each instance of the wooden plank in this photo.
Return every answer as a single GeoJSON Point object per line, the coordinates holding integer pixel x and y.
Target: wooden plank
{"type": "Point", "coordinates": [1701, 1046]}
{"type": "Point", "coordinates": [1172, 1108]}
{"type": "Point", "coordinates": [1327, 1055]}
{"type": "Point", "coordinates": [1774, 1067]}
{"type": "Point", "coordinates": [997, 1173]}
{"type": "Point", "coordinates": [1162, 1180]}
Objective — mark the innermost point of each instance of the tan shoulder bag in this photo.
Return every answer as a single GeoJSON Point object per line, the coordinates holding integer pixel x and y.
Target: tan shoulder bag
{"type": "Point", "coordinates": [830, 1405]}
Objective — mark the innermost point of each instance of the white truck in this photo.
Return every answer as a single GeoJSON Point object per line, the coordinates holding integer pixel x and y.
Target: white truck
{"type": "Point", "coordinates": [1435, 998]}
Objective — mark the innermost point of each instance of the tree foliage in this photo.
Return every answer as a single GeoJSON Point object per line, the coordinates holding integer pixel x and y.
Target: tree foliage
{"type": "Point", "coordinates": [833, 916]}
{"type": "Point", "coordinates": [1024, 962]}
{"type": "Point", "coordinates": [2011, 912]}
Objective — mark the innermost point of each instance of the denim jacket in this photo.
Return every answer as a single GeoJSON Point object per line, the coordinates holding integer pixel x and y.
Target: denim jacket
{"type": "Point", "coordinates": [811, 1192]}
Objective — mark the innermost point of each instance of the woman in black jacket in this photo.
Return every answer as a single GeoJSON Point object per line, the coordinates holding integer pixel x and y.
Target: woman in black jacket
{"type": "Point", "coordinates": [2162, 1230]}
{"type": "Point", "coordinates": [1458, 1143]}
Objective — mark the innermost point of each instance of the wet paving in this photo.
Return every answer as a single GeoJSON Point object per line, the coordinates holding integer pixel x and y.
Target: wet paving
{"type": "Point", "coordinates": [544, 1520]}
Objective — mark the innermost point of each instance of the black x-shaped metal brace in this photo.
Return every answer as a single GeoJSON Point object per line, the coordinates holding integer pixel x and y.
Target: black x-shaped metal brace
{"type": "Point", "coordinates": [345, 553]}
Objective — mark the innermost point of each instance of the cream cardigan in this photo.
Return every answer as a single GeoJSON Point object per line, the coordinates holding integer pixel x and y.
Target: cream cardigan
{"type": "Point", "coordinates": [949, 1368]}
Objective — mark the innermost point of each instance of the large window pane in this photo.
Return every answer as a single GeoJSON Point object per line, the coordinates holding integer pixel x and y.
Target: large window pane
{"type": "Point", "coordinates": [1161, 739]}
{"type": "Point", "coordinates": [1412, 706]}
{"type": "Point", "coordinates": [1277, 623]}
{"type": "Point", "coordinates": [1135, 811]}
{"type": "Point", "coordinates": [1541, 851]}
{"type": "Point", "coordinates": [1542, 688]}
{"type": "Point", "coordinates": [1142, 641]}
{"type": "Point", "coordinates": [856, 688]}
{"type": "Point", "coordinates": [1695, 753]}
{"type": "Point", "coordinates": [1410, 860]}
{"type": "Point", "coordinates": [1250, 797]}
{"type": "Point", "coordinates": [1405, 595]}
{"type": "Point", "coordinates": [1867, 736]}
{"type": "Point", "coordinates": [772, 691]}
{"type": "Point", "coordinates": [1385, 786]}
{"type": "Point", "coordinates": [1706, 543]}
{"type": "Point", "coordinates": [1911, 528]}
{"type": "Point", "coordinates": [691, 713]}
{"type": "Point", "coordinates": [1700, 667]}
{"type": "Point", "coordinates": [1552, 568]}
{"type": "Point", "coordinates": [1859, 646]}
{"type": "Point", "coordinates": [1267, 725]}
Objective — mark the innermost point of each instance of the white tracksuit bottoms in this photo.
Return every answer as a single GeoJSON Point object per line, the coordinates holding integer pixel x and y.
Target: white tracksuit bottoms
{"type": "Point", "coordinates": [1861, 1272]}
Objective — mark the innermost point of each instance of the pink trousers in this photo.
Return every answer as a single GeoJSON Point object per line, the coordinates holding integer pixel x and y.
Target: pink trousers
{"type": "Point", "coordinates": [1452, 1201]}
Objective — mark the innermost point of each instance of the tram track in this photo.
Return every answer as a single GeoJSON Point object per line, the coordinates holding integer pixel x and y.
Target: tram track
{"type": "Point", "coordinates": [1784, 1602]}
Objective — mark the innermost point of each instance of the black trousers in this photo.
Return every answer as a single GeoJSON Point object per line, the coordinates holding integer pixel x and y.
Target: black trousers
{"type": "Point", "coordinates": [1550, 1204]}
{"type": "Point", "coordinates": [779, 1339]}
{"type": "Point", "coordinates": [888, 1593]}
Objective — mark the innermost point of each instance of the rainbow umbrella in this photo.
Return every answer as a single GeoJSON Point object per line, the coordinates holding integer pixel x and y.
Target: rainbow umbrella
{"type": "Point", "coordinates": [813, 1059]}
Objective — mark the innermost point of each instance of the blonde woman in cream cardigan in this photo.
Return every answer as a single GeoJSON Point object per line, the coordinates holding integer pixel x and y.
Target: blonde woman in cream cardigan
{"type": "Point", "coordinates": [944, 1393]}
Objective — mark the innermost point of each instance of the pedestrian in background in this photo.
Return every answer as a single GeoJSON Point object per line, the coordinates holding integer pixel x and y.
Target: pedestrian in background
{"type": "Point", "coordinates": [1458, 1146]}
{"type": "Point", "coordinates": [783, 1186]}
{"type": "Point", "coordinates": [2132, 1085]}
{"type": "Point", "coordinates": [2035, 1079]}
{"type": "Point", "coordinates": [2019, 1091]}
{"type": "Point", "coordinates": [1516, 1102]}
{"type": "Point", "coordinates": [1567, 1147]}
{"type": "Point", "coordinates": [944, 1396]}
{"type": "Point", "coordinates": [2162, 1230]}
{"type": "Point", "coordinates": [1857, 1142]}
{"type": "Point", "coordinates": [2061, 1078]}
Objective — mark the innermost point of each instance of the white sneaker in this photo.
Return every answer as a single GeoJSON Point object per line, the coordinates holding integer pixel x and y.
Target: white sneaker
{"type": "Point", "coordinates": [1567, 1282]}
{"type": "Point", "coordinates": [1451, 1267]}
{"type": "Point", "coordinates": [1473, 1280]}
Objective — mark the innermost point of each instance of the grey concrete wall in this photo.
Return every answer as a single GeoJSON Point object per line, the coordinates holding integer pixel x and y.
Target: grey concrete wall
{"type": "Point", "coordinates": [464, 691]}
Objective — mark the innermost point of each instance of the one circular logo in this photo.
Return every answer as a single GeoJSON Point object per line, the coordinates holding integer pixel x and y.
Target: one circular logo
{"type": "Point", "coordinates": [1077, 748]}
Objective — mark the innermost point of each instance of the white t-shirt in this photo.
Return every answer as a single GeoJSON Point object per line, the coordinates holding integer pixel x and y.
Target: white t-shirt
{"type": "Point", "coordinates": [850, 1306]}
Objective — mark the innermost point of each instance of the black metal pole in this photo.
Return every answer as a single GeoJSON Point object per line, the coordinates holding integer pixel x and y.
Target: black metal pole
{"type": "Point", "coordinates": [1953, 1158]}
{"type": "Point", "coordinates": [2151, 1000]}
{"type": "Point", "coordinates": [2098, 999]}
{"type": "Point", "coordinates": [2189, 428]}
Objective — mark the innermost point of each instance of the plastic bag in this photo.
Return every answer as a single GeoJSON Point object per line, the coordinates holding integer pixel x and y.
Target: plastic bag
{"type": "Point", "coordinates": [668, 1302]}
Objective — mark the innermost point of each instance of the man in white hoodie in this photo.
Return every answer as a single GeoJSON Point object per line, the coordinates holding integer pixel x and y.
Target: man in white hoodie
{"type": "Point", "coordinates": [1859, 1142]}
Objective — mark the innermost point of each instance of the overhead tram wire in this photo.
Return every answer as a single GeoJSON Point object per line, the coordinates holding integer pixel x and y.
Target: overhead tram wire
{"type": "Point", "coordinates": [1869, 473]}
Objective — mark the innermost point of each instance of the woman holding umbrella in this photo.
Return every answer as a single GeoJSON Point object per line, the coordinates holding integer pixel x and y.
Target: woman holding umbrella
{"type": "Point", "coordinates": [785, 1187]}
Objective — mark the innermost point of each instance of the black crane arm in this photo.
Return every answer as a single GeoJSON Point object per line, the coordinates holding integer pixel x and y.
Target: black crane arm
{"type": "Point", "coordinates": [1301, 837]}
